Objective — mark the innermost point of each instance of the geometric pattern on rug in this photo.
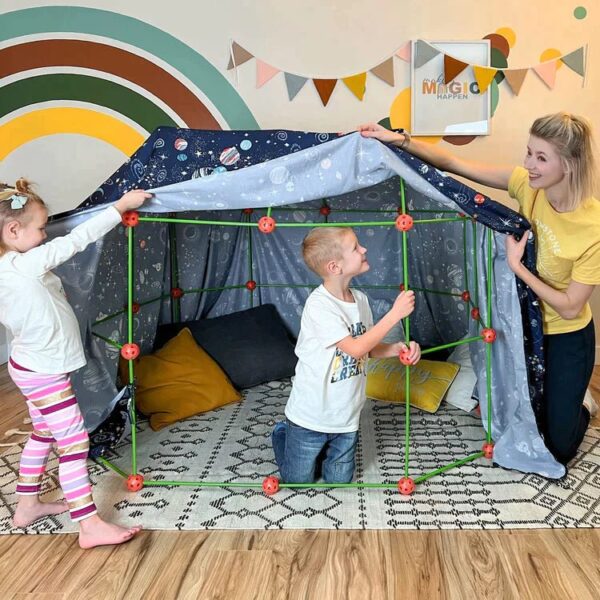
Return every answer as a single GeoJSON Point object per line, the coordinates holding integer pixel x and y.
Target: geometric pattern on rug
{"type": "Point", "coordinates": [233, 444]}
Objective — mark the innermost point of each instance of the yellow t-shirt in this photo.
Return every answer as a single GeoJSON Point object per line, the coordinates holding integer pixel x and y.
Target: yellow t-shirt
{"type": "Point", "coordinates": [567, 244]}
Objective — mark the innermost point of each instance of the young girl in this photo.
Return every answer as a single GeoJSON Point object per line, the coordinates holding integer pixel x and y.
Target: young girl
{"type": "Point", "coordinates": [45, 349]}
{"type": "Point", "coordinates": [554, 191]}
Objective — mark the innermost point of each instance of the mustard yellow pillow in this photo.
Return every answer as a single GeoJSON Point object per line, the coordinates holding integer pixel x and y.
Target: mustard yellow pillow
{"type": "Point", "coordinates": [429, 381]}
{"type": "Point", "coordinates": [178, 381]}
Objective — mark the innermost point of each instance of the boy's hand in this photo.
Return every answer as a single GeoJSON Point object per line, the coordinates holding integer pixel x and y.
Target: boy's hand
{"type": "Point", "coordinates": [403, 305]}
{"type": "Point", "coordinates": [131, 200]}
{"type": "Point", "coordinates": [414, 351]}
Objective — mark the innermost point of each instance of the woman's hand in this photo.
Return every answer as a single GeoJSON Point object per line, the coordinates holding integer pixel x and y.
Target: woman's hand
{"type": "Point", "coordinates": [374, 130]}
{"type": "Point", "coordinates": [515, 250]}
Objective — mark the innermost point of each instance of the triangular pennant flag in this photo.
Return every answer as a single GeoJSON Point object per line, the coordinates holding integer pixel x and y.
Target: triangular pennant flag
{"type": "Point", "coordinates": [325, 88]}
{"type": "Point", "coordinates": [547, 72]}
{"type": "Point", "coordinates": [515, 79]}
{"type": "Point", "coordinates": [294, 84]}
{"type": "Point", "coordinates": [452, 68]}
{"type": "Point", "coordinates": [385, 71]}
{"type": "Point", "coordinates": [575, 60]}
{"type": "Point", "coordinates": [484, 76]}
{"type": "Point", "coordinates": [238, 56]}
{"type": "Point", "coordinates": [424, 52]}
{"type": "Point", "coordinates": [404, 52]}
{"type": "Point", "coordinates": [264, 72]}
{"type": "Point", "coordinates": [356, 84]}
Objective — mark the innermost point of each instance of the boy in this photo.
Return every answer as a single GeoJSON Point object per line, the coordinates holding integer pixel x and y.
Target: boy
{"type": "Point", "coordinates": [336, 338]}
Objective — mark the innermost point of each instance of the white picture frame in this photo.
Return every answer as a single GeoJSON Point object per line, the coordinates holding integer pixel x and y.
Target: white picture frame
{"type": "Point", "coordinates": [455, 108]}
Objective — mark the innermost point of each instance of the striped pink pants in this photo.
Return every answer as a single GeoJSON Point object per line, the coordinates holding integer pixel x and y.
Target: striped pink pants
{"type": "Point", "coordinates": [56, 417]}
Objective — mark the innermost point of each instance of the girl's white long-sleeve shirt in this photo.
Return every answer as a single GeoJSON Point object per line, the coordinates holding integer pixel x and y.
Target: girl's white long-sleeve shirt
{"type": "Point", "coordinates": [33, 305]}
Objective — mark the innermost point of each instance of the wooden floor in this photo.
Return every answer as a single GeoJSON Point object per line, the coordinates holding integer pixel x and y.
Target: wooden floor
{"type": "Point", "coordinates": [320, 565]}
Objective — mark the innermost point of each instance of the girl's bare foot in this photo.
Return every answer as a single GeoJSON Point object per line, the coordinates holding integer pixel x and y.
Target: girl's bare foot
{"type": "Point", "coordinates": [30, 509]}
{"type": "Point", "coordinates": [93, 531]}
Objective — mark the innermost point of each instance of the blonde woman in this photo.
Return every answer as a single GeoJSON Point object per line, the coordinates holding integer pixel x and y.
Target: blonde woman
{"type": "Point", "coordinates": [554, 189]}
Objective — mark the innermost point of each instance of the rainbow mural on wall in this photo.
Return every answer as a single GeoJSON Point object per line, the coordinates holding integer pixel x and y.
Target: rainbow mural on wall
{"type": "Point", "coordinates": [105, 75]}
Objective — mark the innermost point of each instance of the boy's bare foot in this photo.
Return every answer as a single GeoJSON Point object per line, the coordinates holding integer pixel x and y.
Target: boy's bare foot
{"type": "Point", "coordinates": [96, 532]}
{"type": "Point", "coordinates": [29, 510]}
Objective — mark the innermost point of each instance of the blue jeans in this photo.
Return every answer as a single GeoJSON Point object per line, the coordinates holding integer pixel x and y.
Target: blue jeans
{"type": "Point", "coordinates": [302, 454]}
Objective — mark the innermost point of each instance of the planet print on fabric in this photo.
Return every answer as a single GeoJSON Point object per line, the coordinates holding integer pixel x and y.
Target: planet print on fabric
{"type": "Point", "coordinates": [245, 144]}
{"type": "Point", "coordinates": [229, 156]}
{"type": "Point", "coordinates": [180, 144]}
{"type": "Point", "coordinates": [182, 157]}
{"type": "Point", "coordinates": [201, 172]}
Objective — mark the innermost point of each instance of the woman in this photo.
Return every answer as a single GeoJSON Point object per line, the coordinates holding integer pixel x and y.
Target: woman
{"type": "Point", "coordinates": [554, 190]}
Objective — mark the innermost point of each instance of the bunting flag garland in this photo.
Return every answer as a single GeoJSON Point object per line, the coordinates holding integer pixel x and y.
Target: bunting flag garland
{"type": "Point", "coordinates": [483, 77]}
{"type": "Point", "coordinates": [238, 56]}
{"type": "Point", "coordinates": [385, 71]}
{"type": "Point", "coordinates": [515, 79]}
{"type": "Point", "coordinates": [452, 68]}
{"type": "Point", "coordinates": [575, 61]}
{"type": "Point", "coordinates": [294, 84]}
{"type": "Point", "coordinates": [547, 72]}
{"type": "Point", "coordinates": [264, 72]}
{"type": "Point", "coordinates": [325, 88]}
{"type": "Point", "coordinates": [404, 52]}
{"type": "Point", "coordinates": [357, 84]}
{"type": "Point", "coordinates": [423, 53]}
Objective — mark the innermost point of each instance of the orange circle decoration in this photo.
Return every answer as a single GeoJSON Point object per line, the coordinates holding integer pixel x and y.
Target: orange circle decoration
{"type": "Point", "coordinates": [400, 116]}
{"type": "Point", "coordinates": [549, 54]}
{"type": "Point", "coordinates": [508, 34]}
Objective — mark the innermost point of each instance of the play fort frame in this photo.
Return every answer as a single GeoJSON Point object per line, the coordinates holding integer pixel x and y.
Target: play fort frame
{"type": "Point", "coordinates": [266, 224]}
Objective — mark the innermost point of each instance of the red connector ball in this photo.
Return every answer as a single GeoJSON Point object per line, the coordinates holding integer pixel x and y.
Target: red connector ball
{"type": "Point", "coordinates": [248, 211]}
{"type": "Point", "coordinates": [251, 285]}
{"type": "Point", "coordinates": [404, 222]}
{"type": "Point", "coordinates": [488, 450]}
{"type": "Point", "coordinates": [270, 485]}
{"type": "Point", "coordinates": [135, 308]}
{"type": "Point", "coordinates": [176, 293]}
{"type": "Point", "coordinates": [266, 224]}
{"type": "Point", "coordinates": [404, 356]}
{"type": "Point", "coordinates": [475, 314]}
{"type": "Point", "coordinates": [479, 198]}
{"type": "Point", "coordinates": [465, 296]}
{"type": "Point", "coordinates": [406, 486]}
{"type": "Point", "coordinates": [130, 351]}
{"type": "Point", "coordinates": [130, 218]}
{"type": "Point", "coordinates": [325, 211]}
{"type": "Point", "coordinates": [488, 335]}
{"type": "Point", "coordinates": [135, 482]}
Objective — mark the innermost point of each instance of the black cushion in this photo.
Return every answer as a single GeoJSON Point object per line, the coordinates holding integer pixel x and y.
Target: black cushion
{"type": "Point", "coordinates": [252, 346]}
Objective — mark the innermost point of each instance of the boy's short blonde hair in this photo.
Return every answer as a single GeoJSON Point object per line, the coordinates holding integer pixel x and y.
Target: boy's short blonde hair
{"type": "Point", "coordinates": [321, 245]}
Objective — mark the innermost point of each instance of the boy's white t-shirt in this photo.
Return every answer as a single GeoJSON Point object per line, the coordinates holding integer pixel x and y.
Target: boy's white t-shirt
{"type": "Point", "coordinates": [33, 305]}
{"type": "Point", "coordinates": [329, 389]}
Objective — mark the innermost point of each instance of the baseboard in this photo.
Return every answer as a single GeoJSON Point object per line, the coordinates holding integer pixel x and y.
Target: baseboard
{"type": "Point", "coordinates": [4, 353]}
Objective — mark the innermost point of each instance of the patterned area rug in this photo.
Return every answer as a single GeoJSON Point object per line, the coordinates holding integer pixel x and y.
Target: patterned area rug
{"type": "Point", "coordinates": [232, 444]}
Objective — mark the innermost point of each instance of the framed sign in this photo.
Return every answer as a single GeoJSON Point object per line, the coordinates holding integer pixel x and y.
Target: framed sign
{"type": "Point", "coordinates": [453, 108]}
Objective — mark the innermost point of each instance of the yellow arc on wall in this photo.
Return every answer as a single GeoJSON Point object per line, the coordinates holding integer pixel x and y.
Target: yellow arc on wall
{"type": "Point", "coordinates": [80, 121]}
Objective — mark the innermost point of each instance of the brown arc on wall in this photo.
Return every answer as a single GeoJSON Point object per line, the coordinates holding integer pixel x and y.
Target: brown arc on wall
{"type": "Point", "coordinates": [42, 54]}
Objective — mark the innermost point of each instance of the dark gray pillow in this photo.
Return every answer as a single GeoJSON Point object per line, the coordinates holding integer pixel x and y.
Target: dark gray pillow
{"type": "Point", "coordinates": [252, 346]}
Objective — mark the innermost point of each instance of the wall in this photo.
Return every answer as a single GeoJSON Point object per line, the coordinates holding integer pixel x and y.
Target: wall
{"type": "Point", "coordinates": [102, 117]}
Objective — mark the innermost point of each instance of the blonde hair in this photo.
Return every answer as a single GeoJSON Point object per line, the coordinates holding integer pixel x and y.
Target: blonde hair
{"type": "Point", "coordinates": [321, 245]}
{"type": "Point", "coordinates": [572, 137]}
{"type": "Point", "coordinates": [22, 188]}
